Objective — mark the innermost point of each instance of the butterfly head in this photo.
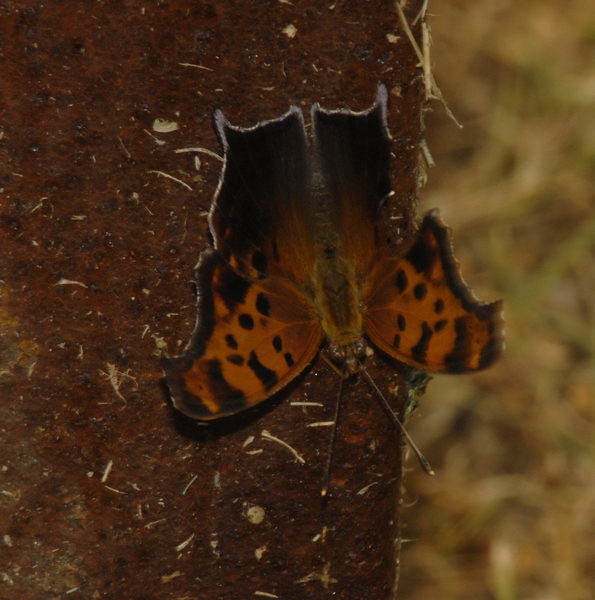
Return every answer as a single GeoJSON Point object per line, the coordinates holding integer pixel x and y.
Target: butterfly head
{"type": "Point", "coordinates": [348, 354]}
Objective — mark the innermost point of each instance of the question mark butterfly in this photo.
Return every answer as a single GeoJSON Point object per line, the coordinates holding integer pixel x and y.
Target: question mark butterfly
{"type": "Point", "coordinates": [300, 256]}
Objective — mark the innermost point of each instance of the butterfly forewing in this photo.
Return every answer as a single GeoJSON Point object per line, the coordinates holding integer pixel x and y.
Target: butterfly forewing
{"type": "Point", "coordinates": [419, 310]}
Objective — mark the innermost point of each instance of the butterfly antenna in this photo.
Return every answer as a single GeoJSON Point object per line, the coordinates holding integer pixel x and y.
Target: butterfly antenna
{"type": "Point", "coordinates": [391, 413]}
{"type": "Point", "coordinates": [327, 467]}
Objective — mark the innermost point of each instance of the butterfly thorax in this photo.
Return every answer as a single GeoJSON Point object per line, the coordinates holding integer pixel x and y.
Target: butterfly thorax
{"type": "Point", "coordinates": [336, 295]}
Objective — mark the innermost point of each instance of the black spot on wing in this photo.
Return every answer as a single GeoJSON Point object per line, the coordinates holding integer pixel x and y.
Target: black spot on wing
{"type": "Point", "coordinates": [288, 359]}
{"type": "Point", "coordinates": [489, 353]}
{"type": "Point", "coordinates": [439, 306]}
{"type": "Point", "coordinates": [275, 251]}
{"type": "Point", "coordinates": [420, 291]}
{"type": "Point", "coordinates": [236, 359]}
{"type": "Point", "coordinates": [440, 325]}
{"type": "Point", "coordinates": [263, 306]}
{"type": "Point", "coordinates": [457, 359]}
{"type": "Point", "coordinates": [230, 398]}
{"type": "Point", "coordinates": [266, 375]}
{"type": "Point", "coordinates": [402, 281]}
{"type": "Point", "coordinates": [421, 256]}
{"type": "Point", "coordinates": [277, 344]}
{"type": "Point", "coordinates": [231, 342]}
{"type": "Point", "coordinates": [397, 341]}
{"type": "Point", "coordinates": [419, 351]}
{"type": "Point", "coordinates": [401, 322]}
{"type": "Point", "coordinates": [259, 262]}
{"type": "Point", "coordinates": [246, 321]}
{"type": "Point", "coordinates": [231, 287]}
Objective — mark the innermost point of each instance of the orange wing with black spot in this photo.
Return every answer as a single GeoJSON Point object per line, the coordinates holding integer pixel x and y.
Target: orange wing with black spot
{"type": "Point", "coordinates": [419, 310]}
{"type": "Point", "coordinates": [251, 339]}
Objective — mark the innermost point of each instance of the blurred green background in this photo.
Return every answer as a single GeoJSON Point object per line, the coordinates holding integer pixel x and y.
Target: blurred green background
{"type": "Point", "coordinates": [511, 511]}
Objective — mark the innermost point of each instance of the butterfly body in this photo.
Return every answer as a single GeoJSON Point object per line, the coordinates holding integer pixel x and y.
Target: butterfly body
{"type": "Point", "coordinates": [300, 256]}
{"type": "Point", "coordinates": [337, 297]}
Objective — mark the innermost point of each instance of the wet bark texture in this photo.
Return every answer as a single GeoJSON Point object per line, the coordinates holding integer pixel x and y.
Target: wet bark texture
{"type": "Point", "coordinates": [105, 490]}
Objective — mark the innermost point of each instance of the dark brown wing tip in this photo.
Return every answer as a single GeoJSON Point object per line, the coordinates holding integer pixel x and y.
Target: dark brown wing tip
{"type": "Point", "coordinates": [491, 313]}
{"type": "Point", "coordinates": [174, 369]}
{"type": "Point", "coordinates": [495, 348]}
{"type": "Point", "coordinates": [452, 270]}
{"type": "Point", "coordinates": [380, 104]}
{"type": "Point", "coordinates": [222, 126]}
{"type": "Point", "coordinates": [175, 365]}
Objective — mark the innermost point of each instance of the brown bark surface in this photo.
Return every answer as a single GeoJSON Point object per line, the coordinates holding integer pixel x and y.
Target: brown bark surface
{"type": "Point", "coordinates": [105, 490]}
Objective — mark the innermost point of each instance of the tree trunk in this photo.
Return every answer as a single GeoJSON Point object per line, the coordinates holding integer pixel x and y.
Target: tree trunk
{"type": "Point", "coordinates": [106, 489]}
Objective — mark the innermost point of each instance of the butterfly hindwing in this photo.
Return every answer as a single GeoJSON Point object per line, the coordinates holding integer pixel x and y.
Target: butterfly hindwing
{"type": "Point", "coordinates": [419, 310]}
{"type": "Point", "coordinates": [352, 151]}
{"type": "Point", "coordinates": [261, 218]}
{"type": "Point", "coordinates": [251, 339]}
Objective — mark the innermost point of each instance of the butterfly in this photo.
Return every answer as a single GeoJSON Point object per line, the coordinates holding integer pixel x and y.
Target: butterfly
{"type": "Point", "coordinates": [300, 257]}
